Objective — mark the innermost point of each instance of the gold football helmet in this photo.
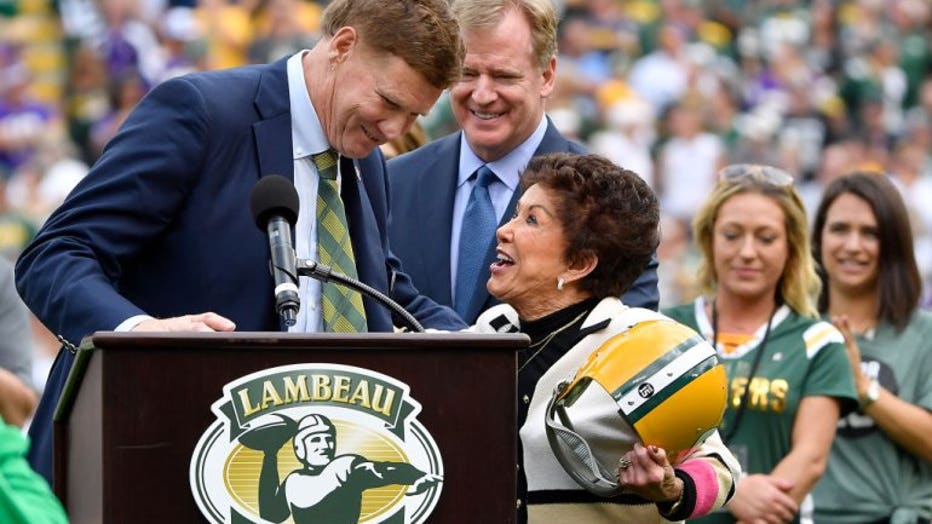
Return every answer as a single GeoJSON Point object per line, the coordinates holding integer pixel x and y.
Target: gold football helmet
{"type": "Point", "coordinates": [658, 382]}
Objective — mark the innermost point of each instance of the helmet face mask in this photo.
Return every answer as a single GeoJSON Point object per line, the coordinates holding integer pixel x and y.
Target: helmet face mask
{"type": "Point", "coordinates": [658, 383]}
{"type": "Point", "coordinates": [609, 435]}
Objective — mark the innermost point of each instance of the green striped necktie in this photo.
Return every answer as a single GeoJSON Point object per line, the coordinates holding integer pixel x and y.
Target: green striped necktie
{"type": "Point", "coordinates": [341, 306]}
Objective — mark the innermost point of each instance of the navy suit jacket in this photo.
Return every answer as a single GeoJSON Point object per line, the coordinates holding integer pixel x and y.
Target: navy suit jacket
{"type": "Point", "coordinates": [423, 188]}
{"type": "Point", "coordinates": [162, 225]}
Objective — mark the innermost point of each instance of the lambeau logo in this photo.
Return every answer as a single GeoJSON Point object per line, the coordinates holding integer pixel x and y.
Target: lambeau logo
{"type": "Point", "coordinates": [316, 443]}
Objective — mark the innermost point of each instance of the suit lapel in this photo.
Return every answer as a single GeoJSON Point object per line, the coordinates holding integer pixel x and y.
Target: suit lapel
{"type": "Point", "coordinates": [273, 147]}
{"type": "Point", "coordinates": [364, 235]}
{"type": "Point", "coordinates": [273, 133]}
{"type": "Point", "coordinates": [436, 191]}
{"type": "Point", "coordinates": [553, 141]}
{"type": "Point", "coordinates": [359, 213]}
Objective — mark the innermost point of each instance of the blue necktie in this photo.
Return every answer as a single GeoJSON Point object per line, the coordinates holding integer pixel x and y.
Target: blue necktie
{"type": "Point", "coordinates": [477, 231]}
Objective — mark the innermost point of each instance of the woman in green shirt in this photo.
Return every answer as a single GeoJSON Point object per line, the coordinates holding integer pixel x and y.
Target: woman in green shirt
{"type": "Point", "coordinates": [787, 369]}
{"type": "Point", "coordinates": [880, 467]}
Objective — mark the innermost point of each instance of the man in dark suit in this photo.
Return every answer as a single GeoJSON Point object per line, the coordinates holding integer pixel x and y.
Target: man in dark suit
{"type": "Point", "coordinates": [508, 74]}
{"type": "Point", "coordinates": [159, 236]}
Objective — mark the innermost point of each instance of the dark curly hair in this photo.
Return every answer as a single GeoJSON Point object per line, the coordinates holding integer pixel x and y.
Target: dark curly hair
{"type": "Point", "coordinates": [606, 211]}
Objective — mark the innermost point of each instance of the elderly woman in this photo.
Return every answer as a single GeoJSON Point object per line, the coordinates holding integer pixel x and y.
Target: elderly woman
{"type": "Point", "coordinates": [880, 468]}
{"type": "Point", "coordinates": [787, 369]}
{"type": "Point", "coordinates": [583, 231]}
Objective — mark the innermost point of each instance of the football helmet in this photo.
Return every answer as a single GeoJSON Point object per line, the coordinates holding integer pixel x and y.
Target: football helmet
{"type": "Point", "coordinates": [314, 423]}
{"type": "Point", "coordinates": [658, 382]}
{"type": "Point", "coordinates": [311, 450]}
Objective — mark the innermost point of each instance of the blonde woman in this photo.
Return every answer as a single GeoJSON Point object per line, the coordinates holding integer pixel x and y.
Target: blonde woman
{"type": "Point", "coordinates": [787, 370]}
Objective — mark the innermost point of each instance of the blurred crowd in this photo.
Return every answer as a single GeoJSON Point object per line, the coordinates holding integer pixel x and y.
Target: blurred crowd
{"type": "Point", "coordinates": [672, 89]}
{"type": "Point", "coordinates": [676, 89]}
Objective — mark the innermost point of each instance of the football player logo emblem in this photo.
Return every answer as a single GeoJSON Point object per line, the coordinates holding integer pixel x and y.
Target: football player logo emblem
{"type": "Point", "coordinates": [316, 443]}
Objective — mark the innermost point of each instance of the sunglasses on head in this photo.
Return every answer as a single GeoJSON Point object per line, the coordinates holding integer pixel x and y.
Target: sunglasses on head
{"type": "Point", "coordinates": [755, 172]}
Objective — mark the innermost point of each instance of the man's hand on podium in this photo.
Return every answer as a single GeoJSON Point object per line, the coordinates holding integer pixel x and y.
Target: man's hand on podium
{"type": "Point", "coordinates": [203, 322]}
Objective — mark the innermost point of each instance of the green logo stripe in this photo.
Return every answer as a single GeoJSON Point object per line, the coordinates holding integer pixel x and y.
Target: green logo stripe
{"type": "Point", "coordinates": [207, 504]}
{"type": "Point", "coordinates": [661, 396]}
{"type": "Point", "coordinates": [433, 458]}
{"type": "Point", "coordinates": [655, 367]}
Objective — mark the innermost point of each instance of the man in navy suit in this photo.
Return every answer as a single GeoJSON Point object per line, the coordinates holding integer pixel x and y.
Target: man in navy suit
{"type": "Point", "coordinates": [159, 235]}
{"type": "Point", "coordinates": [508, 74]}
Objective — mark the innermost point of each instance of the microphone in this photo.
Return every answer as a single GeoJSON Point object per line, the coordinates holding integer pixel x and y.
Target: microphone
{"type": "Point", "coordinates": [317, 271]}
{"type": "Point", "coordinates": [274, 204]}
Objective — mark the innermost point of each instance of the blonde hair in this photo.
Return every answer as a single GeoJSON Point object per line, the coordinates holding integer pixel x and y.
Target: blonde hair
{"type": "Point", "coordinates": [799, 285]}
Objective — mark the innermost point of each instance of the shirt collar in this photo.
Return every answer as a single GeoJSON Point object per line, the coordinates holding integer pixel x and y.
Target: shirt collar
{"type": "Point", "coordinates": [307, 134]}
{"type": "Point", "coordinates": [509, 167]}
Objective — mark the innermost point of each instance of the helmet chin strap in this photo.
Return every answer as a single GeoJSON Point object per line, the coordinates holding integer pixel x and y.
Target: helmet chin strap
{"type": "Point", "coordinates": [586, 470]}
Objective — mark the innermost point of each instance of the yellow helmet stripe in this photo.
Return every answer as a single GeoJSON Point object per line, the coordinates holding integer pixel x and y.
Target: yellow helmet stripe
{"type": "Point", "coordinates": [661, 373]}
{"type": "Point", "coordinates": [651, 363]}
{"type": "Point", "coordinates": [675, 386]}
{"type": "Point", "coordinates": [655, 366]}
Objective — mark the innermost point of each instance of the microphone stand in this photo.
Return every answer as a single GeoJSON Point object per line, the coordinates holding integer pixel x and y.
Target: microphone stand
{"type": "Point", "coordinates": [310, 268]}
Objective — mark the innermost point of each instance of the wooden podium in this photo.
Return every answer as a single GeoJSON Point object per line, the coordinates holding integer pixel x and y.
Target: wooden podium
{"type": "Point", "coordinates": [136, 405]}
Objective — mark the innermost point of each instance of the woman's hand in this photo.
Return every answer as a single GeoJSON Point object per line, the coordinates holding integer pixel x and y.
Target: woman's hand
{"type": "Point", "coordinates": [646, 472]}
{"type": "Point", "coordinates": [861, 381]}
{"type": "Point", "coordinates": [763, 499]}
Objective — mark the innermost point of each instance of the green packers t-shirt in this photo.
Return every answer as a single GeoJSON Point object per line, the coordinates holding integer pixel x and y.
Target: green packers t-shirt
{"type": "Point", "coordinates": [801, 357]}
{"type": "Point", "coordinates": [869, 477]}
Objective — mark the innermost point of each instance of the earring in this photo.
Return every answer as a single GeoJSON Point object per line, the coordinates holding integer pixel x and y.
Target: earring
{"type": "Point", "coordinates": [560, 284]}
